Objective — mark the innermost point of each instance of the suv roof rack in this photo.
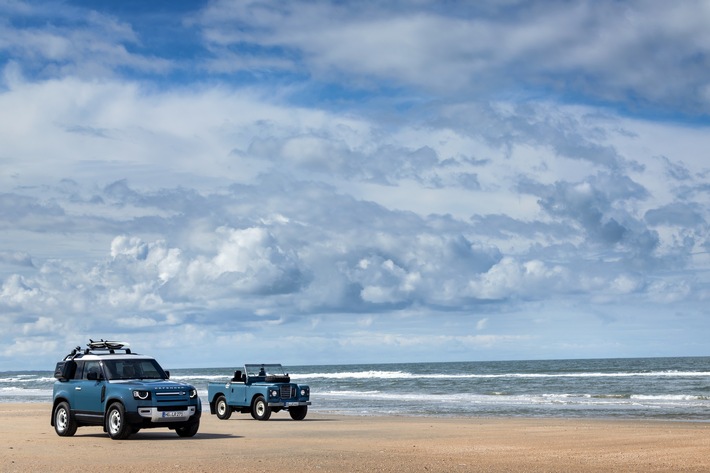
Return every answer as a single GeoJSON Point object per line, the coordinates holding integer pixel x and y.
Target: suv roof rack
{"type": "Point", "coordinates": [106, 345]}
{"type": "Point", "coordinates": [98, 347]}
{"type": "Point", "coordinates": [109, 345]}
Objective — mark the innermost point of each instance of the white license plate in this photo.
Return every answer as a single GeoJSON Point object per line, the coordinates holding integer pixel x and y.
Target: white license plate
{"type": "Point", "coordinates": [173, 414]}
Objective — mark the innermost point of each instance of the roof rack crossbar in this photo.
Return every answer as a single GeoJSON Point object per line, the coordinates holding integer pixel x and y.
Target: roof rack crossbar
{"type": "Point", "coordinates": [110, 345]}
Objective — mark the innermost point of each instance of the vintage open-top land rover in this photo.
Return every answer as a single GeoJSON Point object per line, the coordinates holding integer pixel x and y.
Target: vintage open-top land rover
{"type": "Point", "coordinates": [106, 384]}
{"type": "Point", "coordinates": [259, 390]}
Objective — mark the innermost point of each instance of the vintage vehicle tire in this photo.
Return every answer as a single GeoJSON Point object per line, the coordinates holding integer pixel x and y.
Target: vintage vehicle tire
{"type": "Point", "coordinates": [260, 410]}
{"type": "Point", "coordinates": [116, 424]}
{"type": "Point", "coordinates": [298, 413]}
{"type": "Point", "coordinates": [222, 409]}
{"type": "Point", "coordinates": [64, 423]}
{"type": "Point", "coordinates": [188, 431]}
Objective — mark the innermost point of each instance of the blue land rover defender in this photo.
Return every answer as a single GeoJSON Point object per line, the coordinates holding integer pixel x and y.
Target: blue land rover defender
{"type": "Point", "coordinates": [108, 385]}
{"type": "Point", "coordinates": [259, 390]}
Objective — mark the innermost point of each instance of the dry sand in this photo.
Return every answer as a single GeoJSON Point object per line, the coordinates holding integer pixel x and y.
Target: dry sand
{"type": "Point", "coordinates": [326, 443]}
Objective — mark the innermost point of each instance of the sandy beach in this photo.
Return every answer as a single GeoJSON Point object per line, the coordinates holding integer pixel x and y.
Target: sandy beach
{"type": "Point", "coordinates": [326, 443]}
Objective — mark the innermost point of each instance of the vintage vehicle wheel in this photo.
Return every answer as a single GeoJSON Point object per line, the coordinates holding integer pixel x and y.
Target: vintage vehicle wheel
{"type": "Point", "coordinates": [64, 423]}
{"type": "Point", "coordinates": [298, 413]}
{"type": "Point", "coordinates": [116, 424]}
{"type": "Point", "coordinates": [223, 410]}
{"type": "Point", "coordinates": [260, 410]}
{"type": "Point", "coordinates": [188, 431]}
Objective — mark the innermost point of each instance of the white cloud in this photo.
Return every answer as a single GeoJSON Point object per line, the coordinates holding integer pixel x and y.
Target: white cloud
{"type": "Point", "coordinates": [16, 292]}
{"type": "Point", "coordinates": [607, 47]}
{"type": "Point", "coordinates": [481, 324]}
{"type": "Point", "coordinates": [386, 186]}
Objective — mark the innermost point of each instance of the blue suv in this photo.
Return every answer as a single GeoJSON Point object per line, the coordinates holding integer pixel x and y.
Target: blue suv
{"type": "Point", "coordinates": [108, 385]}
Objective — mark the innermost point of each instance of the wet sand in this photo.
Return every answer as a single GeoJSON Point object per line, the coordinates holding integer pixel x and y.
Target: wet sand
{"type": "Point", "coordinates": [326, 443]}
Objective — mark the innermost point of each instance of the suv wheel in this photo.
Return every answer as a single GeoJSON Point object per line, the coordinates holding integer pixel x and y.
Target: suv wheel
{"type": "Point", "coordinates": [64, 423]}
{"type": "Point", "coordinates": [224, 412]}
{"type": "Point", "coordinates": [260, 410]}
{"type": "Point", "coordinates": [116, 424]}
{"type": "Point", "coordinates": [188, 431]}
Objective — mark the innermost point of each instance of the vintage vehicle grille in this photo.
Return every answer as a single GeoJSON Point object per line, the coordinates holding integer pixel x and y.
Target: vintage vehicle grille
{"type": "Point", "coordinates": [288, 391]}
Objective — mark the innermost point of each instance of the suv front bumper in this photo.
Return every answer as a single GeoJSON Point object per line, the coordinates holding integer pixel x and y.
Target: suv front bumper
{"type": "Point", "coordinates": [154, 415]}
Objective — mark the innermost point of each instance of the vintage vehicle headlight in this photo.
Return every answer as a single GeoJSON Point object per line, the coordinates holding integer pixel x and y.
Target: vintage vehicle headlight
{"type": "Point", "coordinates": [274, 393]}
{"type": "Point", "coordinates": [193, 393]}
{"type": "Point", "coordinates": [142, 395]}
{"type": "Point", "coordinates": [304, 392]}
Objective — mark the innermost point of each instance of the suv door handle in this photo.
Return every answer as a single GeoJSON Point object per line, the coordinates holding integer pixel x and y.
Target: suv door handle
{"type": "Point", "coordinates": [78, 388]}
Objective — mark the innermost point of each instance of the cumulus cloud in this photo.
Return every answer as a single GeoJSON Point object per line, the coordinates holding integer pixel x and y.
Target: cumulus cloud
{"type": "Point", "coordinates": [352, 179]}
{"type": "Point", "coordinates": [18, 258]}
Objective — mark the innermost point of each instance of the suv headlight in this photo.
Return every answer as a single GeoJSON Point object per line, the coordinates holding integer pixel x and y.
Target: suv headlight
{"type": "Point", "coordinates": [193, 393]}
{"type": "Point", "coordinates": [141, 395]}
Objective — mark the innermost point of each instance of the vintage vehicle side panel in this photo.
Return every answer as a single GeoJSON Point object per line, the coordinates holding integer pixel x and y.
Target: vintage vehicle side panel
{"type": "Point", "coordinates": [234, 393]}
{"type": "Point", "coordinates": [238, 395]}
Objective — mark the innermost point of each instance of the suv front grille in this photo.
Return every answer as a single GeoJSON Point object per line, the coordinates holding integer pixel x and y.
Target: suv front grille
{"type": "Point", "coordinates": [171, 394]}
{"type": "Point", "coordinates": [288, 391]}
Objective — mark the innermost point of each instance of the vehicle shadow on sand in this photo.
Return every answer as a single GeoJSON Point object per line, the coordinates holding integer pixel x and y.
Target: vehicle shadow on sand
{"type": "Point", "coordinates": [167, 436]}
{"type": "Point", "coordinates": [286, 419]}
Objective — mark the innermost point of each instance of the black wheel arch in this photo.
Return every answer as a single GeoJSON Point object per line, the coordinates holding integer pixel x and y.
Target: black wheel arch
{"type": "Point", "coordinates": [107, 406]}
{"type": "Point", "coordinates": [54, 407]}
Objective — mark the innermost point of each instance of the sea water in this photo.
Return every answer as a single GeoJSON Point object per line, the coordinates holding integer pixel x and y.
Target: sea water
{"type": "Point", "coordinates": [649, 388]}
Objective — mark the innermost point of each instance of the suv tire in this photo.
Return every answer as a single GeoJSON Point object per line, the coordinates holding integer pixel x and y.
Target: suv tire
{"type": "Point", "coordinates": [188, 431]}
{"type": "Point", "coordinates": [64, 423]}
{"type": "Point", "coordinates": [116, 424]}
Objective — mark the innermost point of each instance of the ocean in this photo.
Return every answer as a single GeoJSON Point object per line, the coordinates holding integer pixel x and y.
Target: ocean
{"type": "Point", "coordinates": [633, 388]}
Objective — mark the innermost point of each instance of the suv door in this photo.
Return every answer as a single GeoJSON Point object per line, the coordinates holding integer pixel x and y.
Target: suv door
{"type": "Point", "coordinates": [238, 394]}
{"type": "Point", "coordinates": [89, 394]}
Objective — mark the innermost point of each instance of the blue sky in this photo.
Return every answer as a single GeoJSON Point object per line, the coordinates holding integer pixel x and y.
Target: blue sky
{"type": "Point", "coordinates": [343, 182]}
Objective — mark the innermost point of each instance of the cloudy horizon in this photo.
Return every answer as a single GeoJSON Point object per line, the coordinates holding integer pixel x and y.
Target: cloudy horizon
{"type": "Point", "coordinates": [223, 182]}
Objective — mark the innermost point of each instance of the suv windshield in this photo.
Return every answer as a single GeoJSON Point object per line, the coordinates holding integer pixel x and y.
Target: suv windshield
{"type": "Point", "coordinates": [134, 369]}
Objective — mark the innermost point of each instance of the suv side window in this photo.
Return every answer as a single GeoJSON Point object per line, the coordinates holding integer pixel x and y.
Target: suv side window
{"type": "Point", "coordinates": [79, 369]}
{"type": "Point", "coordinates": [90, 367]}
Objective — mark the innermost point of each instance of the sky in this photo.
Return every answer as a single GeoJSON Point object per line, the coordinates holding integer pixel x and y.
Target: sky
{"type": "Point", "coordinates": [327, 182]}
